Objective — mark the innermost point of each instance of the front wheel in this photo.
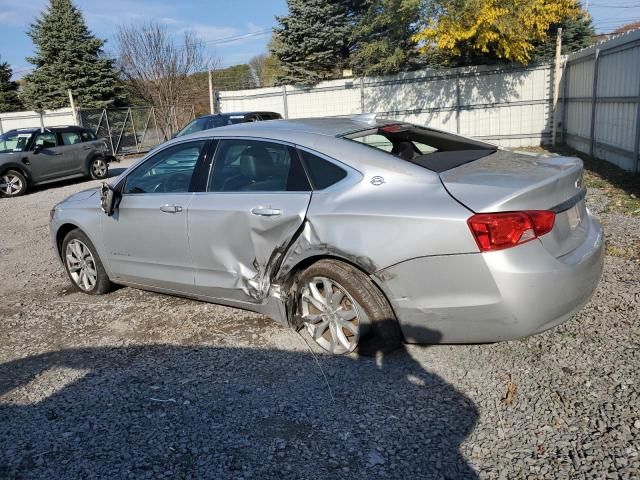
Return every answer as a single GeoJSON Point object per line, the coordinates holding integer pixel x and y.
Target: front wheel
{"type": "Point", "coordinates": [343, 311]}
{"type": "Point", "coordinates": [12, 184]}
{"type": "Point", "coordinates": [98, 169]}
{"type": "Point", "coordinates": [83, 265]}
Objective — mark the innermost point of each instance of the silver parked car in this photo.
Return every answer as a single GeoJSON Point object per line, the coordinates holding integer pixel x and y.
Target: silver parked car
{"type": "Point", "coordinates": [365, 232]}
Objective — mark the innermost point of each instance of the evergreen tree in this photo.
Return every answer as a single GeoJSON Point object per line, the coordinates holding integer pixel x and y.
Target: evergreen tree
{"type": "Point", "coordinates": [68, 56]}
{"type": "Point", "coordinates": [577, 33]}
{"type": "Point", "coordinates": [312, 41]}
{"type": "Point", "coordinates": [382, 37]}
{"type": "Point", "coordinates": [9, 100]}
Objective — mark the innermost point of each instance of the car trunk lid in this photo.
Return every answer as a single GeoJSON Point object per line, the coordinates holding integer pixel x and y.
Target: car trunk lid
{"type": "Point", "coordinates": [507, 181]}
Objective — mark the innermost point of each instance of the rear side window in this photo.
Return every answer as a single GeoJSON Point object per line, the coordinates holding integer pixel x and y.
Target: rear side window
{"type": "Point", "coordinates": [87, 135]}
{"type": "Point", "coordinates": [322, 172]}
{"type": "Point", "coordinates": [70, 138]}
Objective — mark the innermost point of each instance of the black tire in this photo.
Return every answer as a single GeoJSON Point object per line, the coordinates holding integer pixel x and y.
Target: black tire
{"type": "Point", "coordinates": [98, 168]}
{"type": "Point", "coordinates": [102, 284]}
{"type": "Point", "coordinates": [17, 180]}
{"type": "Point", "coordinates": [383, 333]}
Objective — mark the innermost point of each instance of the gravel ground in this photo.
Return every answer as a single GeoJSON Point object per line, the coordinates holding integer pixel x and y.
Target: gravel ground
{"type": "Point", "coordinates": [135, 384]}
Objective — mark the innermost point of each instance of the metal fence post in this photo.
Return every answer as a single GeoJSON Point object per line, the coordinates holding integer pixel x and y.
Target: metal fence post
{"type": "Point", "coordinates": [155, 123]}
{"type": "Point", "coordinates": [1, 129]}
{"type": "Point", "coordinates": [106, 119]}
{"type": "Point", "coordinates": [284, 101]}
{"type": "Point", "coordinates": [362, 95]}
{"type": "Point", "coordinates": [458, 103]}
{"type": "Point", "coordinates": [565, 81]}
{"type": "Point", "coordinates": [133, 128]}
{"type": "Point", "coordinates": [594, 104]}
{"type": "Point", "coordinates": [556, 86]}
{"type": "Point", "coordinates": [636, 147]}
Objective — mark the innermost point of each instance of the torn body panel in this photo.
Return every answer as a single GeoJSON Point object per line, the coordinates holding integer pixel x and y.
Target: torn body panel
{"type": "Point", "coordinates": [234, 250]}
{"type": "Point", "coordinates": [363, 226]}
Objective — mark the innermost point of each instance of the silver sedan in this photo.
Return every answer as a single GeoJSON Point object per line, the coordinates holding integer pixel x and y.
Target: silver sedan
{"type": "Point", "coordinates": [364, 232]}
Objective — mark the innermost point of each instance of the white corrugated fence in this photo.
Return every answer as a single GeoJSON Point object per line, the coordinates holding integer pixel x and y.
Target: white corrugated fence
{"type": "Point", "coordinates": [601, 114]}
{"type": "Point", "coordinates": [50, 118]}
{"type": "Point", "coordinates": [509, 106]}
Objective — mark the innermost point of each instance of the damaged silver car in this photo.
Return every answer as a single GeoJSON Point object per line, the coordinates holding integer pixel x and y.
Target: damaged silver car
{"type": "Point", "coordinates": [365, 232]}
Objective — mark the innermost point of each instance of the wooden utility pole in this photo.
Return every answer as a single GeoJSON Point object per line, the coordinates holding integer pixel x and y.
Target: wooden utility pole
{"type": "Point", "coordinates": [73, 107]}
{"type": "Point", "coordinates": [211, 102]}
{"type": "Point", "coordinates": [556, 86]}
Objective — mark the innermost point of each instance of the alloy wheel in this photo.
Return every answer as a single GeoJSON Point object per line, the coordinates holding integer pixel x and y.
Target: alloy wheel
{"type": "Point", "coordinates": [99, 168]}
{"type": "Point", "coordinates": [10, 184]}
{"type": "Point", "coordinates": [81, 265]}
{"type": "Point", "coordinates": [332, 317]}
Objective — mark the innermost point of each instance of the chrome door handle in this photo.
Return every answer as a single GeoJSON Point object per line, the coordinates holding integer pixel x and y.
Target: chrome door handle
{"type": "Point", "coordinates": [266, 212]}
{"type": "Point", "coordinates": [171, 208]}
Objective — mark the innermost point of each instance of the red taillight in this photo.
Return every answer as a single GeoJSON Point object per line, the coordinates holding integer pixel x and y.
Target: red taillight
{"type": "Point", "coordinates": [496, 231]}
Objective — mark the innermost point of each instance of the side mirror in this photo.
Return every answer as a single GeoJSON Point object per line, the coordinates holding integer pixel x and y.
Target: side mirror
{"type": "Point", "coordinates": [37, 148]}
{"type": "Point", "coordinates": [108, 197]}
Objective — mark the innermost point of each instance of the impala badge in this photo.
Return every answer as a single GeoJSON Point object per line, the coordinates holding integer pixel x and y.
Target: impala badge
{"type": "Point", "coordinates": [377, 181]}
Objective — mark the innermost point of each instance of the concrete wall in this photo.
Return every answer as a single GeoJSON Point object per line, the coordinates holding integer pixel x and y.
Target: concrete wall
{"type": "Point", "coordinates": [506, 106]}
{"type": "Point", "coordinates": [601, 115]}
{"type": "Point", "coordinates": [51, 118]}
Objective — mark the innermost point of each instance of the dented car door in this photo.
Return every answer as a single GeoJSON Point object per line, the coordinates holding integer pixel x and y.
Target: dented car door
{"type": "Point", "coordinates": [255, 201]}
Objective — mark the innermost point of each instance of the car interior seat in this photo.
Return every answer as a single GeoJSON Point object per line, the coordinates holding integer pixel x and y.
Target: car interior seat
{"type": "Point", "coordinates": [257, 172]}
{"type": "Point", "coordinates": [404, 150]}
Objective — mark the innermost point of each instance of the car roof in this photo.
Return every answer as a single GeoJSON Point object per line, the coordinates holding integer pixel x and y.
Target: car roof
{"type": "Point", "coordinates": [326, 126]}
{"type": "Point", "coordinates": [238, 114]}
{"type": "Point", "coordinates": [48, 129]}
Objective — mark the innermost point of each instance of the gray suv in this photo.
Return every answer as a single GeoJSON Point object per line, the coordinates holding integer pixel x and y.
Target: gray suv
{"type": "Point", "coordinates": [33, 157]}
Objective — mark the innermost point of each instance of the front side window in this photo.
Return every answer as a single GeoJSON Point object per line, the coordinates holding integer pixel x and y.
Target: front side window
{"type": "Point", "coordinates": [168, 171]}
{"type": "Point", "coordinates": [256, 166]}
{"type": "Point", "coordinates": [70, 138]}
{"type": "Point", "coordinates": [45, 140]}
{"type": "Point", "coordinates": [14, 142]}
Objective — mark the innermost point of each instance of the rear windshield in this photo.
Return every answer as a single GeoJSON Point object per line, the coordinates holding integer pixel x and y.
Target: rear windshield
{"type": "Point", "coordinates": [431, 149]}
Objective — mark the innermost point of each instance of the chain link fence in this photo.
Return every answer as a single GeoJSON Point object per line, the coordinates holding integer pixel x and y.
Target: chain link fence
{"type": "Point", "coordinates": [136, 129]}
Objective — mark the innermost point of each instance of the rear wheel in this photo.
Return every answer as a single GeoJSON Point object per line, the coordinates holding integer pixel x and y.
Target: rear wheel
{"type": "Point", "coordinates": [343, 311]}
{"type": "Point", "coordinates": [12, 184]}
{"type": "Point", "coordinates": [98, 169]}
{"type": "Point", "coordinates": [83, 265]}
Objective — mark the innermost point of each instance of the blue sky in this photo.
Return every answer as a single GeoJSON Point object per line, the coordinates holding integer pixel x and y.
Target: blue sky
{"type": "Point", "coordinates": [212, 20]}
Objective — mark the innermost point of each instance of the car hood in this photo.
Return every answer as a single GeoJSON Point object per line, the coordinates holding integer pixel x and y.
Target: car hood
{"type": "Point", "coordinates": [8, 156]}
{"type": "Point", "coordinates": [82, 196]}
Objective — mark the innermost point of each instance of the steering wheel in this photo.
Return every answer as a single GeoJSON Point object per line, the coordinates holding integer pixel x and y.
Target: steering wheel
{"type": "Point", "coordinates": [178, 182]}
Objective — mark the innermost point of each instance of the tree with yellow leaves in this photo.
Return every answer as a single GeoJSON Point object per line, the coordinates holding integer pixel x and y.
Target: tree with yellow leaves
{"type": "Point", "coordinates": [465, 31]}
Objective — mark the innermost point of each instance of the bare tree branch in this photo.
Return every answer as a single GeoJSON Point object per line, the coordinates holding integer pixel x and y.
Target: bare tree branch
{"type": "Point", "coordinates": [158, 68]}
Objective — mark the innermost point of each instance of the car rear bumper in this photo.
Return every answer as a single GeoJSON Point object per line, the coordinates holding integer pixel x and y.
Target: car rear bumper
{"type": "Point", "coordinates": [486, 297]}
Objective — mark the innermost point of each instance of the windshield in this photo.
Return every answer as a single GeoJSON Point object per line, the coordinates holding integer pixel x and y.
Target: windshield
{"type": "Point", "coordinates": [195, 126]}
{"type": "Point", "coordinates": [14, 142]}
{"type": "Point", "coordinates": [432, 149]}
